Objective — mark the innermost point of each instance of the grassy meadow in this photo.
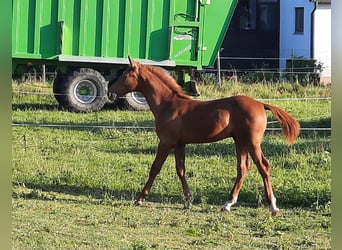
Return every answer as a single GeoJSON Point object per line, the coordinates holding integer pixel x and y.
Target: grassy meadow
{"type": "Point", "coordinates": [76, 176]}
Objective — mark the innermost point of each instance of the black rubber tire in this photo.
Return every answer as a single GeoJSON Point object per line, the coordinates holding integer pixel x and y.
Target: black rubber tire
{"type": "Point", "coordinates": [82, 90]}
{"type": "Point", "coordinates": [135, 101]}
{"type": "Point", "coordinates": [57, 89]}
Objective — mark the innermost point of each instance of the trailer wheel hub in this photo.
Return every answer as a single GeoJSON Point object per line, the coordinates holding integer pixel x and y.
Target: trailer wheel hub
{"type": "Point", "coordinates": [85, 91]}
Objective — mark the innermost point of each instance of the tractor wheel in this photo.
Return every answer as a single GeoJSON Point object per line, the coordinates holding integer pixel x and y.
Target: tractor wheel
{"type": "Point", "coordinates": [83, 90]}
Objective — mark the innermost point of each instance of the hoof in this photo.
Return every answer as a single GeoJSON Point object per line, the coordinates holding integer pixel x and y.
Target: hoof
{"type": "Point", "coordinates": [275, 212]}
{"type": "Point", "coordinates": [187, 205]}
{"type": "Point", "coordinates": [224, 209]}
{"type": "Point", "coordinates": [138, 203]}
{"type": "Point", "coordinates": [186, 208]}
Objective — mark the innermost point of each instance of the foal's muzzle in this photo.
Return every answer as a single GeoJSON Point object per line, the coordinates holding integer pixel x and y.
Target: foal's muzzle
{"type": "Point", "coordinates": [112, 96]}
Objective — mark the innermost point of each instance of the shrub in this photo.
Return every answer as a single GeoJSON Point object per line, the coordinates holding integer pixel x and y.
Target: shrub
{"type": "Point", "coordinates": [303, 70]}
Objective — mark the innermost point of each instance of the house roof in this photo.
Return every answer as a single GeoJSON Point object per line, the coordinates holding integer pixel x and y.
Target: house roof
{"type": "Point", "coordinates": [321, 1]}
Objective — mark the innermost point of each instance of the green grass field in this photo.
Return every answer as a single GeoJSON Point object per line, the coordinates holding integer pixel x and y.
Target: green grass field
{"type": "Point", "coordinates": [74, 185]}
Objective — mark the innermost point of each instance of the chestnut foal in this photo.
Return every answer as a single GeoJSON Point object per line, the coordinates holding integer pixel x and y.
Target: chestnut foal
{"type": "Point", "coordinates": [180, 120]}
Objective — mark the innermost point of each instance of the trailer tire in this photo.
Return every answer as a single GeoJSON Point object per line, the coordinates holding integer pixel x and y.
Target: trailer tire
{"type": "Point", "coordinates": [82, 90]}
{"type": "Point", "coordinates": [135, 101]}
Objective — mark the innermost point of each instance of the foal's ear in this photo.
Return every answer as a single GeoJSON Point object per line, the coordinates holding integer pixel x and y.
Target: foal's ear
{"type": "Point", "coordinates": [132, 63]}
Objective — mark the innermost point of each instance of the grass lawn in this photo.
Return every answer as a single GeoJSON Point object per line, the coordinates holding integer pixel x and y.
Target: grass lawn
{"type": "Point", "coordinates": [74, 187]}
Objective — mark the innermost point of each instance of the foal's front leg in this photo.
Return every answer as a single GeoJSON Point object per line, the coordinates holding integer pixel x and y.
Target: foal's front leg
{"type": "Point", "coordinates": [180, 167]}
{"type": "Point", "coordinates": [162, 153]}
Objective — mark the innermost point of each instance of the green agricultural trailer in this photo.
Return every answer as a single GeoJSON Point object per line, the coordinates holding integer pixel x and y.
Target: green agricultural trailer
{"type": "Point", "coordinates": [87, 42]}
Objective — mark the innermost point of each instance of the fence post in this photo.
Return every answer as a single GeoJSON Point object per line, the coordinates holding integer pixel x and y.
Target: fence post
{"type": "Point", "coordinates": [44, 76]}
{"type": "Point", "coordinates": [219, 68]}
{"type": "Point", "coordinates": [292, 58]}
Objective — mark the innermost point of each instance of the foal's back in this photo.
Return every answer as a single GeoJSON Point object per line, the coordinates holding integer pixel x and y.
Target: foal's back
{"type": "Point", "coordinates": [207, 121]}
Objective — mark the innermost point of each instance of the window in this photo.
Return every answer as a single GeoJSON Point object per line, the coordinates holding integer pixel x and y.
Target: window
{"type": "Point", "coordinates": [247, 14]}
{"type": "Point", "coordinates": [299, 20]}
{"type": "Point", "coordinates": [256, 16]}
{"type": "Point", "coordinates": [268, 17]}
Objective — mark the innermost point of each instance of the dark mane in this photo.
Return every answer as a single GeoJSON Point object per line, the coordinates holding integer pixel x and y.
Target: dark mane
{"type": "Point", "coordinates": [167, 79]}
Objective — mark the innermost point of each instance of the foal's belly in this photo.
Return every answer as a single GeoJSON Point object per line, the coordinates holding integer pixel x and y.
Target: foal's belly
{"type": "Point", "coordinates": [207, 128]}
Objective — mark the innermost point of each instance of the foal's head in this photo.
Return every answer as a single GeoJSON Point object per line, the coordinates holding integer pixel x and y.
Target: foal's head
{"type": "Point", "coordinates": [127, 82]}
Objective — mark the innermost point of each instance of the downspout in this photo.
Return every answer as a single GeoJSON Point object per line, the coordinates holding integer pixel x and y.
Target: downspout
{"type": "Point", "coordinates": [312, 44]}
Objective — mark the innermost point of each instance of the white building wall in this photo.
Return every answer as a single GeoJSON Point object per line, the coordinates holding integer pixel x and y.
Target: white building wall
{"type": "Point", "coordinates": [322, 39]}
{"type": "Point", "coordinates": [292, 44]}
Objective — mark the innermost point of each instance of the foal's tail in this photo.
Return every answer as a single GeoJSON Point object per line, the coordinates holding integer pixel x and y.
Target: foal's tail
{"type": "Point", "coordinates": [290, 126]}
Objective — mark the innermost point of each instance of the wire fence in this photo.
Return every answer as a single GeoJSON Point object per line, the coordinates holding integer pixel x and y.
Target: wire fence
{"type": "Point", "coordinates": [149, 128]}
{"type": "Point", "coordinates": [295, 68]}
{"type": "Point", "coordinates": [19, 92]}
{"type": "Point", "coordinates": [152, 128]}
{"type": "Point", "coordinates": [270, 69]}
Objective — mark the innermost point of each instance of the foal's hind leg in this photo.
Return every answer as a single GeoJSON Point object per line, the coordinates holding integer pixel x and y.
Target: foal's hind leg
{"type": "Point", "coordinates": [162, 153]}
{"type": "Point", "coordinates": [264, 168]}
{"type": "Point", "coordinates": [180, 167]}
{"type": "Point", "coordinates": [243, 165]}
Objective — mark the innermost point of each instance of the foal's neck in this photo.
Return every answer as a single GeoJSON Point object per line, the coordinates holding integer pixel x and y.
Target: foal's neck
{"type": "Point", "coordinates": [156, 93]}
